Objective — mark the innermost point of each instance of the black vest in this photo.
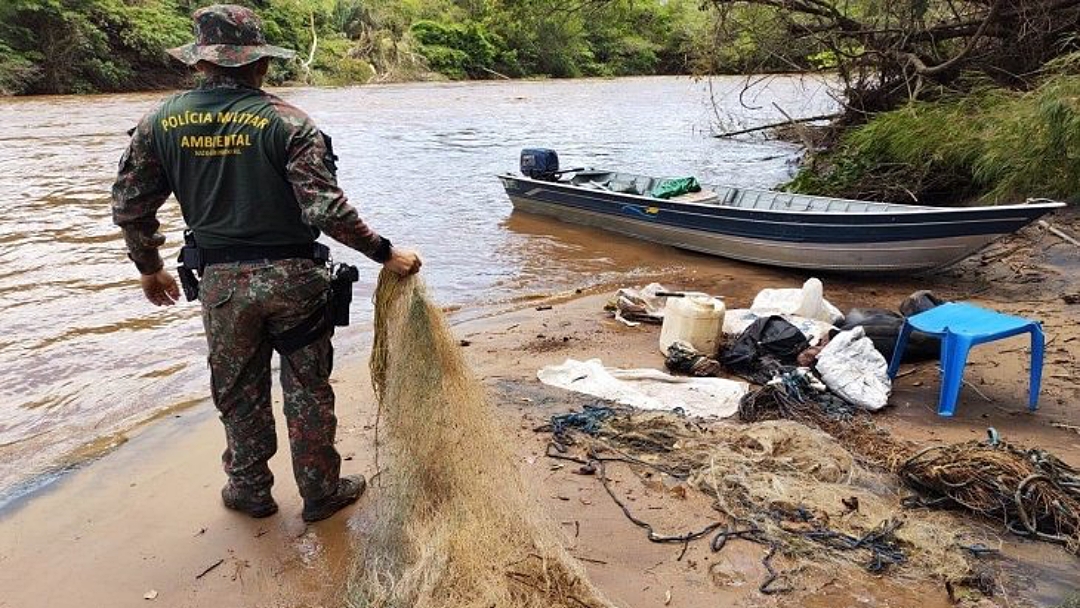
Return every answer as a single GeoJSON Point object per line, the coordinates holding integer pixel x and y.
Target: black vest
{"type": "Point", "coordinates": [224, 152]}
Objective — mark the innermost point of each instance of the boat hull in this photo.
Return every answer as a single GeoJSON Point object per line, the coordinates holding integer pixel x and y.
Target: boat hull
{"type": "Point", "coordinates": [841, 242]}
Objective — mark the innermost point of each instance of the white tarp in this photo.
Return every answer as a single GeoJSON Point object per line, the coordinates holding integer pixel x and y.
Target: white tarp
{"type": "Point", "coordinates": [853, 369]}
{"type": "Point", "coordinates": [647, 389]}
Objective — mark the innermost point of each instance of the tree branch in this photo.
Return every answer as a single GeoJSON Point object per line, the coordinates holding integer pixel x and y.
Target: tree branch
{"type": "Point", "coordinates": [314, 45]}
{"type": "Point", "coordinates": [956, 59]}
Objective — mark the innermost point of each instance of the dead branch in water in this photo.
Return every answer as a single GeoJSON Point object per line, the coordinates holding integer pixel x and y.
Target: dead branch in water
{"type": "Point", "coordinates": [775, 125]}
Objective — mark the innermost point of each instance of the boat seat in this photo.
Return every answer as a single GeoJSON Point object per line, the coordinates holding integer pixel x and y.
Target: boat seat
{"type": "Point", "coordinates": [702, 196]}
{"type": "Point", "coordinates": [590, 177]}
{"type": "Point", "coordinates": [595, 185]}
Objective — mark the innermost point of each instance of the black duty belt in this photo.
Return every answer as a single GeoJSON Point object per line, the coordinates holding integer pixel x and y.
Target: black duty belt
{"type": "Point", "coordinates": [194, 259]}
{"type": "Point", "coordinates": [225, 255]}
{"type": "Point", "coordinates": [335, 311]}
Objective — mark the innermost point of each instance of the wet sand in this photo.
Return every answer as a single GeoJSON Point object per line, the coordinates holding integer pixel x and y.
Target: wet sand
{"type": "Point", "coordinates": [145, 520]}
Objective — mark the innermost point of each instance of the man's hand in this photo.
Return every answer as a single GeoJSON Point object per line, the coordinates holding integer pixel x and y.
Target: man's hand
{"type": "Point", "coordinates": [160, 288]}
{"type": "Point", "coordinates": [403, 262]}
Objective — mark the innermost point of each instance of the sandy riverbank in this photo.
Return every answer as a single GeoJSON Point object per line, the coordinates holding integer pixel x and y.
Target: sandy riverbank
{"type": "Point", "coordinates": [146, 519]}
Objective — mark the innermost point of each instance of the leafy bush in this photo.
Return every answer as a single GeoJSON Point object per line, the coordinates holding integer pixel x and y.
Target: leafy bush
{"type": "Point", "coordinates": [458, 50]}
{"type": "Point", "coordinates": [16, 71]}
{"type": "Point", "coordinates": [88, 45]}
{"type": "Point", "coordinates": [58, 46]}
{"type": "Point", "coordinates": [336, 66]}
{"type": "Point", "coordinates": [994, 145]}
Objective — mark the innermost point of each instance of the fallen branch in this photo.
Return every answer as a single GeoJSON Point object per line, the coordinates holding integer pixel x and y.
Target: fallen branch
{"type": "Point", "coordinates": [210, 568]}
{"type": "Point", "coordinates": [1067, 427]}
{"type": "Point", "coordinates": [494, 73]}
{"type": "Point", "coordinates": [775, 125]}
{"type": "Point", "coordinates": [797, 127]}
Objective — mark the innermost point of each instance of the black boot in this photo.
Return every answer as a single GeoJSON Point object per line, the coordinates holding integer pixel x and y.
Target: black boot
{"type": "Point", "coordinates": [255, 506]}
{"type": "Point", "coordinates": [348, 491]}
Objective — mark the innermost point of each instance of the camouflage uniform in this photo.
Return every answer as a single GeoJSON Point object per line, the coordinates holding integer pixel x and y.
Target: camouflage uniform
{"type": "Point", "coordinates": [244, 305]}
{"type": "Point", "coordinates": [263, 179]}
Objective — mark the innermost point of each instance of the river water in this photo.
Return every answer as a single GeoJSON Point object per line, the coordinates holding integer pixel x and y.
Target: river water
{"type": "Point", "coordinates": [83, 355]}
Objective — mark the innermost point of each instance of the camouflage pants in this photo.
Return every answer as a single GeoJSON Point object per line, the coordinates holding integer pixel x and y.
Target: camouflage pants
{"type": "Point", "coordinates": [244, 306]}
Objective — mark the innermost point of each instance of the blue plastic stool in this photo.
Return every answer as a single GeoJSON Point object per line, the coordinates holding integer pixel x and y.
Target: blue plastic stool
{"type": "Point", "coordinates": [961, 326]}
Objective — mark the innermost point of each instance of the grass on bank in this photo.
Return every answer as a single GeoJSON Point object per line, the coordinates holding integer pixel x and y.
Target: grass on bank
{"type": "Point", "coordinates": [991, 146]}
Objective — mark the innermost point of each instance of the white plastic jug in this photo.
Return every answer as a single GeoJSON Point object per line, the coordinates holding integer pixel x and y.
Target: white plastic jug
{"type": "Point", "coordinates": [695, 318]}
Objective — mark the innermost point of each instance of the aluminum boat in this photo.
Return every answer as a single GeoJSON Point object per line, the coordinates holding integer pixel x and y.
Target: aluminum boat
{"type": "Point", "coordinates": [770, 227]}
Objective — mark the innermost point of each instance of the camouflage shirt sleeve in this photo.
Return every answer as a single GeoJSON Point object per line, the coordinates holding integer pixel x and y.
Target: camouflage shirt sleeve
{"type": "Point", "coordinates": [323, 203]}
{"type": "Point", "coordinates": [141, 188]}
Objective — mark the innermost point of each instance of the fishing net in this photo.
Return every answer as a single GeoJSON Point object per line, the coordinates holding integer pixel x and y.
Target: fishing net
{"type": "Point", "coordinates": [779, 483]}
{"type": "Point", "coordinates": [791, 398]}
{"type": "Point", "coordinates": [1033, 492]}
{"type": "Point", "coordinates": [454, 525]}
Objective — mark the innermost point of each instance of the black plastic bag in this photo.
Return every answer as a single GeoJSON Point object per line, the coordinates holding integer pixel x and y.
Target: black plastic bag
{"type": "Point", "coordinates": [768, 344]}
{"type": "Point", "coordinates": [883, 327]}
{"type": "Point", "coordinates": [920, 301]}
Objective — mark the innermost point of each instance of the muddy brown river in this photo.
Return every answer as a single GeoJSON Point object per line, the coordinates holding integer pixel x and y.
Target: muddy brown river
{"type": "Point", "coordinates": [83, 356]}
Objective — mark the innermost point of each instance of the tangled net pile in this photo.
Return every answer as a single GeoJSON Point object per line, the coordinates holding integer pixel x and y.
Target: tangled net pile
{"type": "Point", "coordinates": [1034, 493]}
{"type": "Point", "coordinates": [778, 483]}
{"type": "Point", "coordinates": [454, 525]}
{"type": "Point", "coordinates": [815, 477]}
{"type": "Point", "coordinates": [791, 399]}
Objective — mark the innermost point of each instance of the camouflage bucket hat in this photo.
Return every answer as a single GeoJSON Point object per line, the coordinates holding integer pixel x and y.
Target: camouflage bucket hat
{"type": "Point", "coordinates": [229, 36]}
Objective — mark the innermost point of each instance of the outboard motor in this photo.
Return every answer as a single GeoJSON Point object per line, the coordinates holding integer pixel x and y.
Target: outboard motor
{"type": "Point", "coordinates": [540, 163]}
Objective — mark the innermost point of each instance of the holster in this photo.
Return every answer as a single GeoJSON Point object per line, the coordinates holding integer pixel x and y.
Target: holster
{"type": "Point", "coordinates": [342, 278]}
{"type": "Point", "coordinates": [324, 319]}
{"type": "Point", "coordinates": [190, 263]}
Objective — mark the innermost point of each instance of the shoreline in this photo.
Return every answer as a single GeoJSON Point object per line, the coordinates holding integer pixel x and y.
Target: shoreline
{"type": "Point", "coordinates": [145, 518]}
{"type": "Point", "coordinates": [298, 86]}
{"type": "Point", "coordinates": [355, 355]}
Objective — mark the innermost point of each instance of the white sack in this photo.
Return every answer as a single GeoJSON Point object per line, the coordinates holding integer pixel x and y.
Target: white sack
{"type": "Point", "coordinates": [647, 389]}
{"type": "Point", "coordinates": [853, 369]}
{"type": "Point", "coordinates": [808, 302]}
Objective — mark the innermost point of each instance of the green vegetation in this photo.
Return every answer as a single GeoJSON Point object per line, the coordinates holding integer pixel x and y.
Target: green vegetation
{"type": "Point", "coordinates": [1072, 600]}
{"type": "Point", "coordinates": [992, 144]}
{"type": "Point", "coordinates": [84, 45]}
{"type": "Point", "coordinates": [942, 101]}
{"type": "Point", "coordinates": [458, 50]}
{"type": "Point", "coordinates": [77, 46]}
